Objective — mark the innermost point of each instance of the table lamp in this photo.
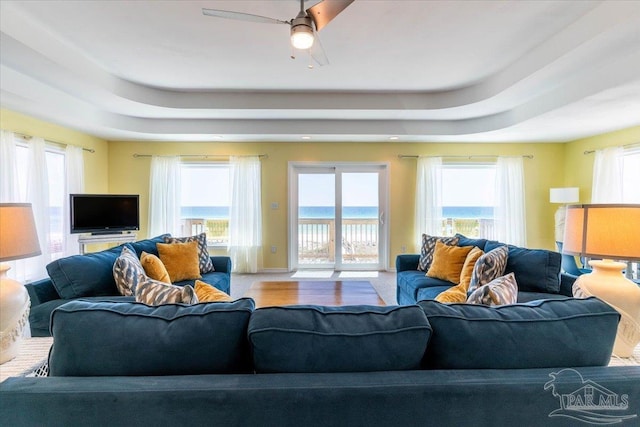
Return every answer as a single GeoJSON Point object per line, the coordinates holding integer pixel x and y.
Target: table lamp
{"type": "Point", "coordinates": [564, 196]}
{"type": "Point", "coordinates": [608, 232]}
{"type": "Point", "coordinates": [18, 239]}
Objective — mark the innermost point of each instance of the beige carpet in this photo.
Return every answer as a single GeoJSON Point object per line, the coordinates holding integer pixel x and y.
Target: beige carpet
{"type": "Point", "coordinates": [384, 282]}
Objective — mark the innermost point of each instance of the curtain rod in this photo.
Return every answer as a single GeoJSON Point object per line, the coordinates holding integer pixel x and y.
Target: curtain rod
{"type": "Point", "coordinates": [407, 156]}
{"type": "Point", "coordinates": [635, 144]}
{"type": "Point", "coordinates": [203, 156]}
{"type": "Point", "coordinates": [28, 137]}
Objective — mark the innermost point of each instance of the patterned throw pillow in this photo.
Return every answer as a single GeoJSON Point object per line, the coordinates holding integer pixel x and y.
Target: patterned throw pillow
{"type": "Point", "coordinates": [154, 268]}
{"type": "Point", "coordinates": [205, 263]}
{"type": "Point", "coordinates": [429, 246]}
{"type": "Point", "coordinates": [488, 267]}
{"type": "Point", "coordinates": [207, 293]}
{"type": "Point", "coordinates": [127, 272]}
{"type": "Point", "coordinates": [153, 292]}
{"type": "Point", "coordinates": [501, 291]}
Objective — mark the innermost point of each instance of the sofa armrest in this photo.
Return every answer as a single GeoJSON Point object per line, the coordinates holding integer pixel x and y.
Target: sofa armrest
{"type": "Point", "coordinates": [406, 262]}
{"type": "Point", "coordinates": [41, 291]}
{"type": "Point", "coordinates": [566, 284]}
{"type": "Point", "coordinates": [222, 264]}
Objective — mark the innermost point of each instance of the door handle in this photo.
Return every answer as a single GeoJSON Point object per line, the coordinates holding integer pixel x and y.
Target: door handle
{"type": "Point", "coordinates": [381, 218]}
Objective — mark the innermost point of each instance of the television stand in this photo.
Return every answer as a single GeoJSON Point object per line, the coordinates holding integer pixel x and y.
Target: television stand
{"type": "Point", "coordinates": [104, 238]}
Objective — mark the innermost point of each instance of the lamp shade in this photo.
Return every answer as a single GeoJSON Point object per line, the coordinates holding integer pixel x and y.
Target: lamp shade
{"type": "Point", "coordinates": [603, 231]}
{"type": "Point", "coordinates": [564, 195]}
{"type": "Point", "coordinates": [18, 236]}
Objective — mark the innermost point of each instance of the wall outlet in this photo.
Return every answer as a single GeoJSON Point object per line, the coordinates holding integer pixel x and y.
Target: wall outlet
{"type": "Point", "coordinates": [274, 249]}
{"type": "Point", "coordinates": [275, 205]}
{"type": "Point", "coordinates": [403, 249]}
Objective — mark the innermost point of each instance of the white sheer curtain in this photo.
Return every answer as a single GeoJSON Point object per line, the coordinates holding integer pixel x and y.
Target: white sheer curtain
{"type": "Point", "coordinates": [607, 176]}
{"type": "Point", "coordinates": [74, 184]}
{"type": "Point", "coordinates": [8, 168]}
{"type": "Point", "coordinates": [428, 197]}
{"type": "Point", "coordinates": [510, 221]}
{"type": "Point", "coordinates": [245, 216]}
{"type": "Point", "coordinates": [164, 196]}
{"type": "Point", "coordinates": [38, 196]}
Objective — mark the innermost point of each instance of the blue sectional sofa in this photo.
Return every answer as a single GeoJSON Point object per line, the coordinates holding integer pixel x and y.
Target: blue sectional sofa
{"type": "Point", "coordinates": [537, 273]}
{"type": "Point", "coordinates": [90, 277]}
{"type": "Point", "coordinates": [227, 364]}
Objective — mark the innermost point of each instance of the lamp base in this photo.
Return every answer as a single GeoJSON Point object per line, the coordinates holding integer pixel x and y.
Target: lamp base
{"type": "Point", "coordinates": [607, 282]}
{"type": "Point", "coordinates": [14, 314]}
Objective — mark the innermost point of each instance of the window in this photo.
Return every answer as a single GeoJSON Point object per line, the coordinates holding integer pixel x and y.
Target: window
{"type": "Point", "coordinates": [205, 211]}
{"type": "Point", "coordinates": [631, 176]}
{"type": "Point", "coordinates": [54, 158]}
{"type": "Point", "coordinates": [468, 199]}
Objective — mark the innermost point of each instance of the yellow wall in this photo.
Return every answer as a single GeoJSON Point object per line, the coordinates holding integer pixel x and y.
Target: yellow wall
{"type": "Point", "coordinates": [131, 175]}
{"type": "Point", "coordinates": [95, 164]}
{"type": "Point", "coordinates": [578, 170]}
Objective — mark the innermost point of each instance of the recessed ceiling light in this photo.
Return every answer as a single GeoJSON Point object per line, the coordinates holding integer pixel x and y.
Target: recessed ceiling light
{"type": "Point", "coordinates": [394, 138]}
{"type": "Point", "coordinates": [306, 137]}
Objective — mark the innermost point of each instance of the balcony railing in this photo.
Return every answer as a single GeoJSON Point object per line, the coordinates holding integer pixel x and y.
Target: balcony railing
{"type": "Point", "coordinates": [316, 239]}
{"type": "Point", "coordinates": [217, 229]}
{"type": "Point", "coordinates": [470, 227]}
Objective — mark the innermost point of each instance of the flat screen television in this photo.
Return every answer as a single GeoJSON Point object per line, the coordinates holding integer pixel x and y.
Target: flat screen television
{"type": "Point", "coordinates": [104, 213]}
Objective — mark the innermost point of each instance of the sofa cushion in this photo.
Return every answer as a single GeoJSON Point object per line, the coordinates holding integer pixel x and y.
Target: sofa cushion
{"type": "Point", "coordinates": [470, 241]}
{"type": "Point", "coordinates": [122, 339]}
{"type": "Point", "coordinates": [541, 334]}
{"type": "Point", "coordinates": [500, 291]}
{"type": "Point", "coordinates": [127, 272]}
{"type": "Point", "coordinates": [180, 260]}
{"type": "Point", "coordinates": [40, 315]}
{"type": "Point", "coordinates": [85, 275]}
{"type": "Point", "coordinates": [489, 266]}
{"type": "Point", "coordinates": [204, 259]}
{"type": "Point", "coordinates": [149, 245]}
{"type": "Point", "coordinates": [469, 265]}
{"type": "Point", "coordinates": [432, 292]}
{"type": "Point", "coordinates": [448, 262]}
{"type": "Point", "coordinates": [536, 270]}
{"type": "Point", "coordinates": [429, 246]}
{"type": "Point", "coordinates": [411, 281]}
{"type": "Point", "coordinates": [338, 339]}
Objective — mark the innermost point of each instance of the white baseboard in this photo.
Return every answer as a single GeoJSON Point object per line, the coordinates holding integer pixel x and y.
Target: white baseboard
{"type": "Point", "coordinates": [274, 270]}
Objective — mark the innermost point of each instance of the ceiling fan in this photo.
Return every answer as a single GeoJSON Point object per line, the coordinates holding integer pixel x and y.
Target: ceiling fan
{"type": "Point", "coordinates": [304, 26]}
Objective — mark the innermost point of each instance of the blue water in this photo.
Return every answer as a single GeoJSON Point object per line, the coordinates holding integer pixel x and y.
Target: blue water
{"type": "Point", "coordinates": [350, 212]}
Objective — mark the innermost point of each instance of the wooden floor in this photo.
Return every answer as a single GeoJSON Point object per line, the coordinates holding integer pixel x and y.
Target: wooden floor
{"type": "Point", "coordinates": [330, 293]}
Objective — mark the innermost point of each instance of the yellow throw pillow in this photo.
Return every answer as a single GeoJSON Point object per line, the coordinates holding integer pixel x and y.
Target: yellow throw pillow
{"type": "Point", "coordinates": [181, 260]}
{"type": "Point", "coordinates": [457, 293]}
{"type": "Point", "coordinates": [448, 261]}
{"type": "Point", "coordinates": [207, 293]}
{"type": "Point", "coordinates": [154, 268]}
{"type": "Point", "coordinates": [467, 268]}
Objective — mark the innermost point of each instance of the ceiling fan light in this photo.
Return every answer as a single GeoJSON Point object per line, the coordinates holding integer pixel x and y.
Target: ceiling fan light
{"type": "Point", "coordinates": [302, 33]}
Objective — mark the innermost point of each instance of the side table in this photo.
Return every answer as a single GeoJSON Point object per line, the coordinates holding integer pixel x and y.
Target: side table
{"type": "Point", "coordinates": [33, 356]}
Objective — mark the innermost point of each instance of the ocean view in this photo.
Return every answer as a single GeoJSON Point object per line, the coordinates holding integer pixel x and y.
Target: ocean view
{"type": "Point", "coordinates": [350, 212]}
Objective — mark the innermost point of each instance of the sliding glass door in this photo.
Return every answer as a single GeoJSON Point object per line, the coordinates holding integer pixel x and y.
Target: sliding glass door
{"type": "Point", "coordinates": [337, 216]}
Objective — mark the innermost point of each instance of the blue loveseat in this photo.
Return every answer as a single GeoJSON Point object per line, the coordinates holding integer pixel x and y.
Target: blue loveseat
{"type": "Point", "coordinates": [537, 273]}
{"type": "Point", "coordinates": [230, 365]}
{"type": "Point", "coordinates": [90, 277]}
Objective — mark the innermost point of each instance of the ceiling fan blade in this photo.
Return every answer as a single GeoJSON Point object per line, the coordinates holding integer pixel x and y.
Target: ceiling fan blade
{"type": "Point", "coordinates": [317, 51]}
{"type": "Point", "coordinates": [323, 12]}
{"type": "Point", "coordinates": [242, 16]}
